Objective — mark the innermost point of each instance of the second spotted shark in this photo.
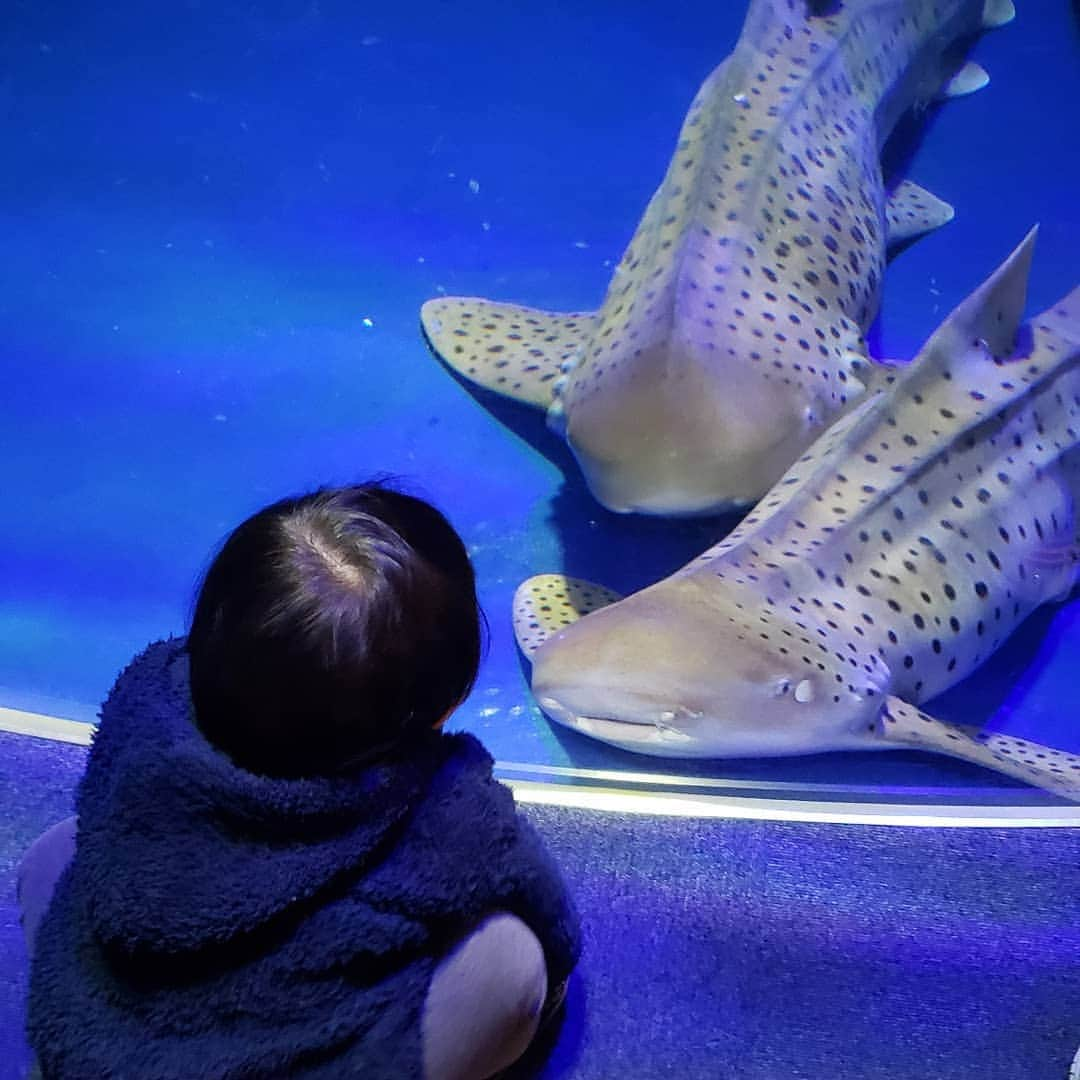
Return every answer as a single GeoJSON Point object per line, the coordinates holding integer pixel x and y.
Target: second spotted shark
{"type": "Point", "coordinates": [732, 332]}
{"type": "Point", "coordinates": [889, 562]}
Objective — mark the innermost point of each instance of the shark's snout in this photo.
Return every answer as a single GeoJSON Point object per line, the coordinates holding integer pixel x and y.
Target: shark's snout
{"type": "Point", "coordinates": [597, 677]}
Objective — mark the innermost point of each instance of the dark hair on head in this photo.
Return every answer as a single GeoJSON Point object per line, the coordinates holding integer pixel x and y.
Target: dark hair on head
{"type": "Point", "coordinates": [329, 628]}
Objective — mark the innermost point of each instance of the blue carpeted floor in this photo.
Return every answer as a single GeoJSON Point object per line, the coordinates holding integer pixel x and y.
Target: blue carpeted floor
{"type": "Point", "coordinates": [220, 222]}
{"type": "Point", "coordinates": [757, 951]}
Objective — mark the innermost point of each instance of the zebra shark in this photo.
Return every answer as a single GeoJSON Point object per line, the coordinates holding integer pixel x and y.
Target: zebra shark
{"type": "Point", "coordinates": [732, 332]}
{"type": "Point", "coordinates": [890, 561]}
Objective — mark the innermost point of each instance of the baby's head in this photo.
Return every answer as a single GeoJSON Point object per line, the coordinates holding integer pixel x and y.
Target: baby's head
{"type": "Point", "coordinates": [330, 629]}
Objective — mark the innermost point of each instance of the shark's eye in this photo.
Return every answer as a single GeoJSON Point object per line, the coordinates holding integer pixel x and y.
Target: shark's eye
{"type": "Point", "coordinates": [804, 692]}
{"type": "Point", "coordinates": [782, 687]}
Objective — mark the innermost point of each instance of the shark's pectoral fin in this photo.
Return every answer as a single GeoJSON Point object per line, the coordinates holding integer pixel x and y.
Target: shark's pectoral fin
{"type": "Point", "coordinates": [967, 80]}
{"type": "Point", "coordinates": [513, 350]}
{"type": "Point", "coordinates": [911, 211]}
{"type": "Point", "coordinates": [544, 604]}
{"type": "Point", "coordinates": [1031, 762]}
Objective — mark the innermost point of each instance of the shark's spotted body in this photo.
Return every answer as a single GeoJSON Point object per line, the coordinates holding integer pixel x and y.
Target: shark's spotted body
{"type": "Point", "coordinates": [732, 331]}
{"type": "Point", "coordinates": [885, 566]}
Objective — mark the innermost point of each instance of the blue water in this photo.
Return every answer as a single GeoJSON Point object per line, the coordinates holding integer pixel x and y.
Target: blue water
{"type": "Point", "coordinates": [219, 221]}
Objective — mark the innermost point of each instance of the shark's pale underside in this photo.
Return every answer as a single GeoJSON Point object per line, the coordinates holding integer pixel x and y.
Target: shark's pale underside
{"type": "Point", "coordinates": [732, 332]}
{"type": "Point", "coordinates": [889, 563]}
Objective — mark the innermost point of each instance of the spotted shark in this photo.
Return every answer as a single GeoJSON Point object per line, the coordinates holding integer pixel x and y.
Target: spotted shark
{"type": "Point", "coordinates": [732, 332]}
{"type": "Point", "coordinates": [888, 563]}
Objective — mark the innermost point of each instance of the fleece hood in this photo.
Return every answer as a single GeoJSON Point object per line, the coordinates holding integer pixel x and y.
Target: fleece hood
{"type": "Point", "coordinates": [251, 847]}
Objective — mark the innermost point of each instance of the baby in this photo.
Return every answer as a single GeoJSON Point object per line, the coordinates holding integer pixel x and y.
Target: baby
{"type": "Point", "coordinates": [281, 865]}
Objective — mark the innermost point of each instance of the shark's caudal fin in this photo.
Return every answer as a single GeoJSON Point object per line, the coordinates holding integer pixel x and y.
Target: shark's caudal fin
{"type": "Point", "coordinates": [544, 604]}
{"type": "Point", "coordinates": [912, 211]}
{"type": "Point", "coordinates": [513, 350]}
{"type": "Point", "coordinates": [1053, 770]}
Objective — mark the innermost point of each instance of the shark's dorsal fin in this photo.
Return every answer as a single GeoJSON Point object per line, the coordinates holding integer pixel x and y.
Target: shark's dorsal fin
{"type": "Point", "coordinates": [544, 604]}
{"type": "Point", "coordinates": [998, 13]}
{"type": "Point", "coordinates": [911, 211]}
{"type": "Point", "coordinates": [1053, 770]}
{"type": "Point", "coordinates": [967, 80]}
{"type": "Point", "coordinates": [513, 350]}
{"type": "Point", "coordinates": [991, 314]}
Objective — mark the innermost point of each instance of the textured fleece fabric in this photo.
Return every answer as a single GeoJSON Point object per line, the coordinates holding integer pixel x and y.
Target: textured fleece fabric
{"type": "Point", "coordinates": [216, 923]}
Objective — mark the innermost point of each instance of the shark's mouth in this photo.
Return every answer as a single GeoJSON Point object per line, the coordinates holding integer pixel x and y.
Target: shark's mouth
{"type": "Point", "coordinates": [657, 731]}
{"type": "Point", "coordinates": [631, 731]}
